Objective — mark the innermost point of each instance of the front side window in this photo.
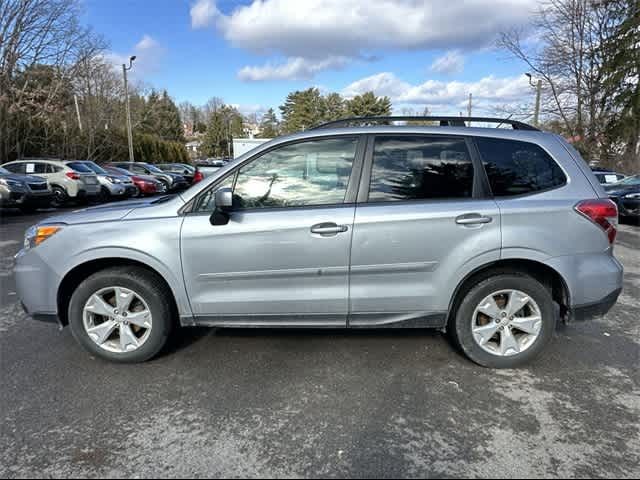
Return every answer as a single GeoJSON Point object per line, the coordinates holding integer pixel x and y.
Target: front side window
{"type": "Point", "coordinates": [302, 174]}
{"type": "Point", "coordinates": [420, 168]}
{"type": "Point", "coordinates": [518, 168]}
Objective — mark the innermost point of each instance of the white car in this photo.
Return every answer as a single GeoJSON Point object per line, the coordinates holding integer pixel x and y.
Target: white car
{"type": "Point", "coordinates": [79, 184]}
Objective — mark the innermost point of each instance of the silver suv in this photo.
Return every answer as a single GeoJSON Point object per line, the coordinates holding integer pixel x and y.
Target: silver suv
{"type": "Point", "coordinates": [490, 234]}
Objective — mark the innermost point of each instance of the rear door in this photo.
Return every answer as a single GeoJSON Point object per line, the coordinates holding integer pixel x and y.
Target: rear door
{"type": "Point", "coordinates": [423, 218]}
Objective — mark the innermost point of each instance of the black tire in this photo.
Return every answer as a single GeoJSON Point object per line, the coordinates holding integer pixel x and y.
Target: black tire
{"type": "Point", "coordinates": [143, 282]}
{"type": "Point", "coordinates": [60, 197]}
{"type": "Point", "coordinates": [104, 196]}
{"type": "Point", "coordinates": [460, 327]}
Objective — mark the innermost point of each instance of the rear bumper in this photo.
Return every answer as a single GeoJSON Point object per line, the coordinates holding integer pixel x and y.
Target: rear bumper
{"type": "Point", "coordinates": [596, 309]}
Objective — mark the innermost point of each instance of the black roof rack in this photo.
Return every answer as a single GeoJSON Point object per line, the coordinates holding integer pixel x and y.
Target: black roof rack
{"type": "Point", "coordinates": [444, 121]}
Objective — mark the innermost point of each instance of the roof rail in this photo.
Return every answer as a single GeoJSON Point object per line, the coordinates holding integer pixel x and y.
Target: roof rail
{"type": "Point", "coordinates": [444, 121]}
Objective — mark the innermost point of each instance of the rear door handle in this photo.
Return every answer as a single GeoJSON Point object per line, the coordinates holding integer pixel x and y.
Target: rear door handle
{"type": "Point", "coordinates": [473, 219]}
{"type": "Point", "coordinates": [328, 229]}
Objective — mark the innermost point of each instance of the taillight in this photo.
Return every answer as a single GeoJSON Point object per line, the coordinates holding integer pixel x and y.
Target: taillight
{"type": "Point", "coordinates": [602, 212]}
{"type": "Point", "coordinates": [198, 177]}
{"type": "Point", "coordinates": [73, 175]}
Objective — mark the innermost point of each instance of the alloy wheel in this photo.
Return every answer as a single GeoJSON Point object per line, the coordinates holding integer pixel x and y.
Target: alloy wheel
{"type": "Point", "coordinates": [506, 323]}
{"type": "Point", "coordinates": [117, 319]}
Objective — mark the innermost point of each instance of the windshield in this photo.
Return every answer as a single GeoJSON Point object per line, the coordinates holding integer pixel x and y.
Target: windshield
{"type": "Point", "coordinates": [153, 168]}
{"type": "Point", "coordinates": [95, 167]}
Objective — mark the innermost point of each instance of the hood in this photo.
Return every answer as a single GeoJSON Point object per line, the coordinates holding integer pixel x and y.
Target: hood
{"type": "Point", "coordinates": [24, 178]}
{"type": "Point", "coordinates": [108, 212]}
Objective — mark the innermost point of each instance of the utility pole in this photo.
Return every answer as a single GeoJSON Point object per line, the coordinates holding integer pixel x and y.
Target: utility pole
{"type": "Point", "coordinates": [75, 99]}
{"type": "Point", "coordinates": [126, 96]}
{"type": "Point", "coordinates": [538, 87]}
{"type": "Point", "coordinates": [469, 108]}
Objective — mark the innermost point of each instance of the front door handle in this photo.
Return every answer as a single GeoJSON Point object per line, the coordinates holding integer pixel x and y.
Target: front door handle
{"type": "Point", "coordinates": [473, 219]}
{"type": "Point", "coordinates": [328, 229]}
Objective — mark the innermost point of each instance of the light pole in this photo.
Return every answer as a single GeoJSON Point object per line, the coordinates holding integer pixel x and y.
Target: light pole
{"type": "Point", "coordinates": [126, 97]}
{"type": "Point", "coordinates": [538, 86]}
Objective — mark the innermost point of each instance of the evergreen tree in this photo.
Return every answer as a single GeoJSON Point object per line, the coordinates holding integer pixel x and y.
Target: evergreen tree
{"type": "Point", "coordinates": [334, 107]}
{"type": "Point", "coordinates": [302, 110]}
{"type": "Point", "coordinates": [161, 117]}
{"type": "Point", "coordinates": [269, 127]}
{"type": "Point", "coordinates": [368, 105]}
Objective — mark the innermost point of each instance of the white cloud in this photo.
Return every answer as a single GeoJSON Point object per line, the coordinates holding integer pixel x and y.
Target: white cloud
{"type": "Point", "coordinates": [489, 93]}
{"type": "Point", "coordinates": [322, 28]}
{"type": "Point", "coordinates": [451, 62]}
{"type": "Point", "coordinates": [293, 69]}
{"type": "Point", "coordinates": [203, 13]}
{"type": "Point", "coordinates": [149, 55]}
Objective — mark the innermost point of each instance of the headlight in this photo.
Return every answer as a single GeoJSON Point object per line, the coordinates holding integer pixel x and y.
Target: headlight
{"type": "Point", "coordinates": [38, 234]}
{"type": "Point", "coordinates": [114, 180]}
{"type": "Point", "coordinates": [632, 195]}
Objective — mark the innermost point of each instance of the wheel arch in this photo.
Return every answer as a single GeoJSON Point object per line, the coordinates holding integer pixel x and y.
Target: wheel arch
{"type": "Point", "coordinates": [80, 272]}
{"type": "Point", "coordinates": [546, 275]}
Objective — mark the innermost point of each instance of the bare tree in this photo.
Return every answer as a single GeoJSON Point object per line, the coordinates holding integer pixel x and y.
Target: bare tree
{"type": "Point", "coordinates": [563, 47]}
{"type": "Point", "coordinates": [41, 45]}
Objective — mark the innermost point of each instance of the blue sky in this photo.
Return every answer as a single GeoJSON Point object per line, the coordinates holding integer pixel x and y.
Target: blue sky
{"type": "Point", "coordinates": [252, 53]}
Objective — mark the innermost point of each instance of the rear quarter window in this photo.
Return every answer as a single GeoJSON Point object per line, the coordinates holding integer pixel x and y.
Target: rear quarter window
{"type": "Point", "coordinates": [518, 168]}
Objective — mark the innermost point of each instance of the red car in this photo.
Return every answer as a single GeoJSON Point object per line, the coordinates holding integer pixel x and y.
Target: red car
{"type": "Point", "coordinates": [146, 185]}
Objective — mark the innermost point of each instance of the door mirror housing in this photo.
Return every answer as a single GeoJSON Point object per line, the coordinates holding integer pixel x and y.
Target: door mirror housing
{"type": "Point", "coordinates": [224, 204]}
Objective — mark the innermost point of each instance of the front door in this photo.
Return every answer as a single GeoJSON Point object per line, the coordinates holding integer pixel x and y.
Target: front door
{"type": "Point", "coordinates": [283, 258]}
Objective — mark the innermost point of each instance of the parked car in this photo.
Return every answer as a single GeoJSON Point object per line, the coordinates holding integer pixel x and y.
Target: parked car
{"type": "Point", "coordinates": [489, 233]}
{"type": "Point", "coordinates": [67, 184]}
{"type": "Point", "coordinates": [606, 177]}
{"type": "Point", "coordinates": [26, 192]}
{"type": "Point", "coordinates": [145, 184]}
{"type": "Point", "coordinates": [208, 169]}
{"type": "Point", "coordinates": [172, 181]}
{"type": "Point", "coordinates": [113, 185]}
{"type": "Point", "coordinates": [626, 194]}
{"type": "Point", "coordinates": [190, 173]}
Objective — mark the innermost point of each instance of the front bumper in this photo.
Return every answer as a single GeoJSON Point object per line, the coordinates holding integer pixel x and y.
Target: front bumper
{"type": "Point", "coordinates": [25, 199]}
{"type": "Point", "coordinates": [116, 190]}
{"type": "Point", "coordinates": [36, 285]}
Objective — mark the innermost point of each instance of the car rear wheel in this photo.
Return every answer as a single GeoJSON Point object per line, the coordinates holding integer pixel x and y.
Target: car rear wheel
{"type": "Point", "coordinates": [121, 315]}
{"type": "Point", "coordinates": [504, 321]}
{"type": "Point", "coordinates": [60, 197]}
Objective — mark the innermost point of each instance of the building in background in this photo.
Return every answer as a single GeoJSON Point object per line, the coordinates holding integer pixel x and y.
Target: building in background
{"type": "Point", "coordinates": [244, 145]}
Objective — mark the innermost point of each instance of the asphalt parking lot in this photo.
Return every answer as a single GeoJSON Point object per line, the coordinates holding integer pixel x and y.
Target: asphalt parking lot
{"type": "Point", "coordinates": [238, 403]}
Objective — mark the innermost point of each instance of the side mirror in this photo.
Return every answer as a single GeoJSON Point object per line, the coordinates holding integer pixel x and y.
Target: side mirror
{"type": "Point", "coordinates": [224, 203]}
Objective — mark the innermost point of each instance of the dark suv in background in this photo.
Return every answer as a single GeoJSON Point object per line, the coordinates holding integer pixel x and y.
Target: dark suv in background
{"type": "Point", "coordinates": [26, 192]}
{"type": "Point", "coordinates": [172, 181]}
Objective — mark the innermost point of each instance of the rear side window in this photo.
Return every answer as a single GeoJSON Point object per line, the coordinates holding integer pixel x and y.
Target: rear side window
{"type": "Point", "coordinates": [518, 168]}
{"type": "Point", "coordinates": [36, 168]}
{"type": "Point", "coordinates": [420, 168]}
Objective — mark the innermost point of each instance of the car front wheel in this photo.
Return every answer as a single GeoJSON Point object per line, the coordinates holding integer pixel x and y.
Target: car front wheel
{"type": "Point", "coordinates": [121, 314]}
{"type": "Point", "coordinates": [504, 321]}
